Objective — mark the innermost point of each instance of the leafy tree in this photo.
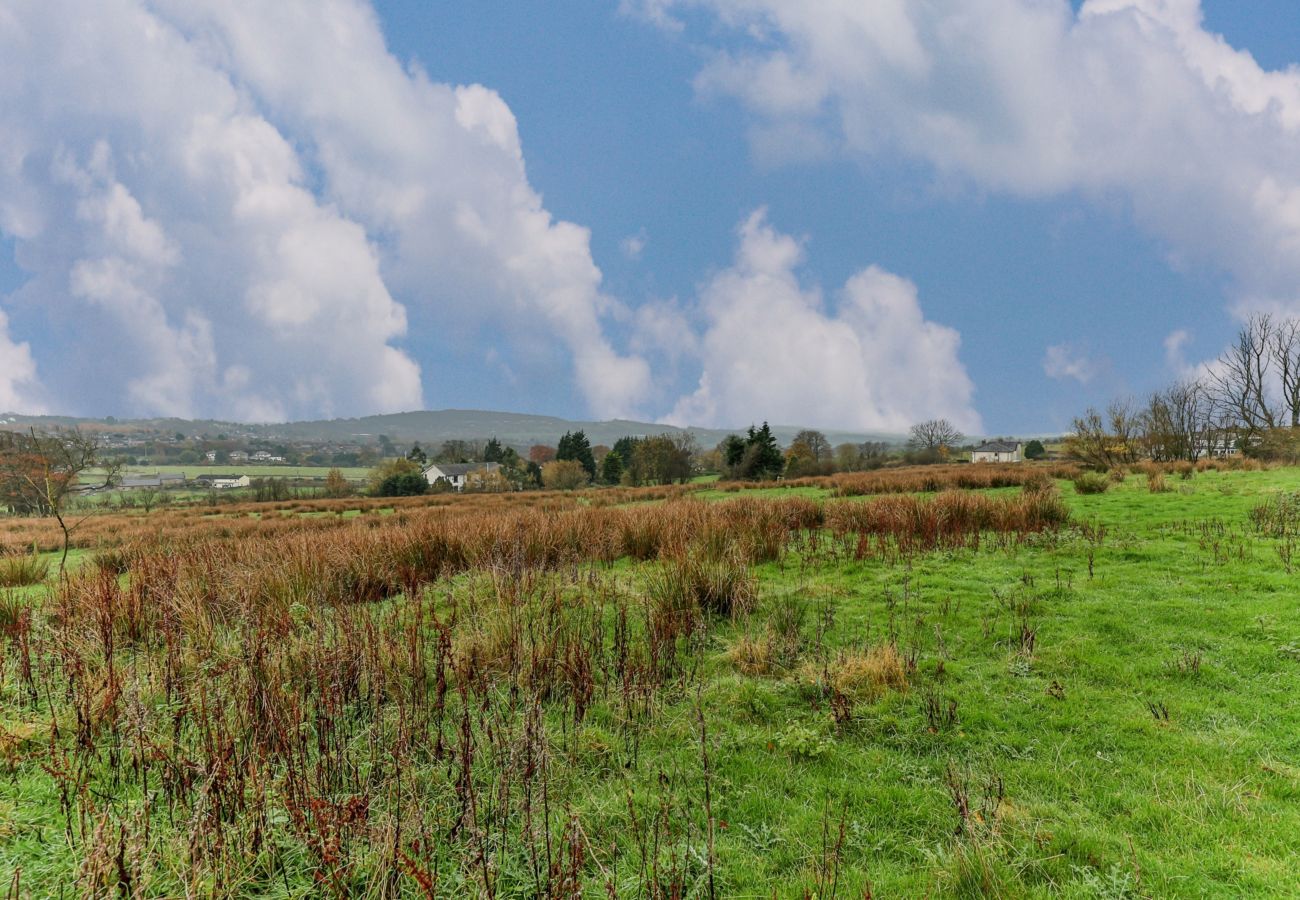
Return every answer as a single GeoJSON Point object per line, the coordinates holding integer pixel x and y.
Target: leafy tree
{"type": "Point", "coordinates": [564, 475]}
{"type": "Point", "coordinates": [457, 451]}
{"type": "Point", "coordinates": [387, 470]}
{"type": "Point", "coordinates": [816, 444]}
{"type": "Point", "coordinates": [1035, 450]}
{"type": "Point", "coordinates": [809, 454]}
{"type": "Point", "coordinates": [858, 457]}
{"type": "Point", "coordinates": [664, 458]}
{"type": "Point", "coordinates": [575, 446]}
{"type": "Point", "coordinates": [403, 484]}
{"type": "Point", "coordinates": [611, 468]}
{"type": "Point", "coordinates": [336, 486]}
{"type": "Point", "coordinates": [540, 454]}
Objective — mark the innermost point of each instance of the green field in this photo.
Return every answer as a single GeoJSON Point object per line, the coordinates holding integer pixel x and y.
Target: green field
{"type": "Point", "coordinates": [1106, 711]}
{"type": "Point", "coordinates": [351, 473]}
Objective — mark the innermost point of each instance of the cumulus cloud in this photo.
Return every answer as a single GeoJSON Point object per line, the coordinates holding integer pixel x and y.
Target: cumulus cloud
{"type": "Point", "coordinates": [1064, 361]}
{"type": "Point", "coordinates": [773, 348]}
{"type": "Point", "coordinates": [241, 206]}
{"type": "Point", "coordinates": [1129, 99]}
{"type": "Point", "coordinates": [17, 373]}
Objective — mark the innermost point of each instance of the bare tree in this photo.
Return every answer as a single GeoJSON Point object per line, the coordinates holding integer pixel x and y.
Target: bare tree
{"type": "Point", "coordinates": [40, 473]}
{"type": "Point", "coordinates": [1105, 441]}
{"type": "Point", "coordinates": [1284, 347]}
{"type": "Point", "coordinates": [934, 434]}
{"type": "Point", "coordinates": [1239, 382]}
{"type": "Point", "coordinates": [1179, 423]}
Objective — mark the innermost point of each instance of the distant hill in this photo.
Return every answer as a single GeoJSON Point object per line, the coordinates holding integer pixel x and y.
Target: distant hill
{"type": "Point", "coordinates": [427, 427]}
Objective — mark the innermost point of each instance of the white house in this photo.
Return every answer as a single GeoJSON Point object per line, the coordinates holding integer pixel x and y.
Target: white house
{"type": "Point", "coordinates": [224, 482]}
{"type": "Point", "coordinates": [997, 452]}
{"type": "Point", "coordinates": [458, 474]}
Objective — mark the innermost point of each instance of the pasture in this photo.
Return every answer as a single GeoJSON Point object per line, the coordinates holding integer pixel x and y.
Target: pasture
{"type": "Point", "coordinates": [983, 684]}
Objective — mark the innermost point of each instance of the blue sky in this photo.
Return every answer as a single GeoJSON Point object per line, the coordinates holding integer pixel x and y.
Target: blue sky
{"type": "Point", "coordinates": [1073, 282]}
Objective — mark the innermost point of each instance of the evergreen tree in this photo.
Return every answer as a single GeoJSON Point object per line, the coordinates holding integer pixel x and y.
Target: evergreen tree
{"type": "Point", "coordinates": [625, 447]}
{"type": "Point", "coordinates": [1035, 450]}
{"type": "Point", "coordinates": [493, 452]}
{"type": "Point", "coordinates": [732, 450]}
{"type": "Point", "coordinates": [763, 458]}
{"type": "Point", "coordinates": [575, 446]}
{"type": "Point", "coordinates": [611, 470]}
{"type": "Point", "coordinates": [417, 455]}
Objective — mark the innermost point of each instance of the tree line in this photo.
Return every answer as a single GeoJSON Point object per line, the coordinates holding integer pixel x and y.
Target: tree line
{"type": "Point", "coordinates": [1247, 401]}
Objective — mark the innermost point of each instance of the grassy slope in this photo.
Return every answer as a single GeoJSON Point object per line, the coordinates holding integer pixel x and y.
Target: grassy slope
{"type": "Point", "coordinates": [1102, 798]}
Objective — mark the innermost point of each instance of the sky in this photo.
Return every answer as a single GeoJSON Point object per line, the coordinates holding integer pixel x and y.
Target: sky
{"type": "Point", "coordinates": [710, 212]}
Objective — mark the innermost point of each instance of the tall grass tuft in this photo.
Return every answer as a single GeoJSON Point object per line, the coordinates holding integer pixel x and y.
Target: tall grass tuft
{"type": "Point", "coordinates": [23, 570]}
{"type": "Point", "coordinates": [1092, 483]}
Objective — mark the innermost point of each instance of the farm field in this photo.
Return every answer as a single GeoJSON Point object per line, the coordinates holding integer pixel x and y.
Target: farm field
{"type": "Point", "coordinates": [828, 689]}
{"type": "Point", "coordinates": [351, 473]}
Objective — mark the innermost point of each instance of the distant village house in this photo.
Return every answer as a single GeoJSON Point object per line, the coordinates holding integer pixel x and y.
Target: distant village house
{"type": "Point", "coordinates": [997, 452]}
{"type": "Point", "coordinates": [459, 475]}
{"type": "Point", "coordinates": [155, 481]}
{"type": "Point", "coordinates": [223, 482]}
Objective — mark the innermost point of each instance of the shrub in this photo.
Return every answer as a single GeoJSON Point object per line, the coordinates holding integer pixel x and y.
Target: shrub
{"type": "Point", "coordinates": [403, 484]}
{"type": "Point", "coordinates": [1156, 483]}
{"type": "Point", "coordinates": [1091, 483]}
{"type": "Point", "coordinates": [564, 475]}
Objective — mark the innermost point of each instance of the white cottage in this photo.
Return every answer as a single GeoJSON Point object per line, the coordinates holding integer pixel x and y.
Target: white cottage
{"type": "Point", "coordinates": [997, 452]}
{"type": "Point", "coordinates": [458, 474]}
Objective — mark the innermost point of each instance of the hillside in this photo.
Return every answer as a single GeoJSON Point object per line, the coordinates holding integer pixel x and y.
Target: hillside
{"type": "Point", "coordinates": [428, 426]}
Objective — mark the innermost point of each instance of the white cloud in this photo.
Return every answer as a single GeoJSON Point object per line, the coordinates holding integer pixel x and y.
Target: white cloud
{"type": "Point", "coordinates": [774, 349]}
{"type": "Point", "coordinates": [1128, 99]}
{"type": "Point", "coordinates": [1062, 361]}
{"type": "Point", "coordinates": [634, 245]}
{"type": "Point", "coordinates": [17, 374]}
{"type": "Point", "coordinates": [242, 203]}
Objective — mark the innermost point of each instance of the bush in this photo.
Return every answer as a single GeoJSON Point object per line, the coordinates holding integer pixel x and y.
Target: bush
{"type": "Point", "coordinates": [403, 484]}
{"type": "Point", "coordinates": [564, 475]}
{"type": "Point", "coordinates": [1091, 483]}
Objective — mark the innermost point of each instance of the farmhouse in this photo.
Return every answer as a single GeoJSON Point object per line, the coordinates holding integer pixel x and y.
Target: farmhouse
{"type": "Point", "coordinates": [155, 481]}
{"type": "Point", "coordinates": [223, 482]}
{"type": "Point", "coordinates": [997, 452]}
{"type": "Point", "coordinates": [458, 475]}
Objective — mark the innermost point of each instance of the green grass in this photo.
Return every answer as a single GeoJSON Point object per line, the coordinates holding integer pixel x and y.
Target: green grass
{"type": "Point", "coordinates": [193, 471]}
{"type": "Point", "coordinates": [1149, 745]}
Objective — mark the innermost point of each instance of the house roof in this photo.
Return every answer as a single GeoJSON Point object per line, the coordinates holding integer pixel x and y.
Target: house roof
{"type": "Point", "coordinates": [453, 470]}
{"type": "Point", "coordinates": [998, 447]}
{"type": "Point", "coordinates": [219, 477]}
{"type": "Point", "coordinates": [133, 481]}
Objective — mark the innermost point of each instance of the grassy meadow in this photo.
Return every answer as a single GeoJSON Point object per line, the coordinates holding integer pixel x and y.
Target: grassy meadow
{"type": "Point", "coordinates": [846, 687]}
